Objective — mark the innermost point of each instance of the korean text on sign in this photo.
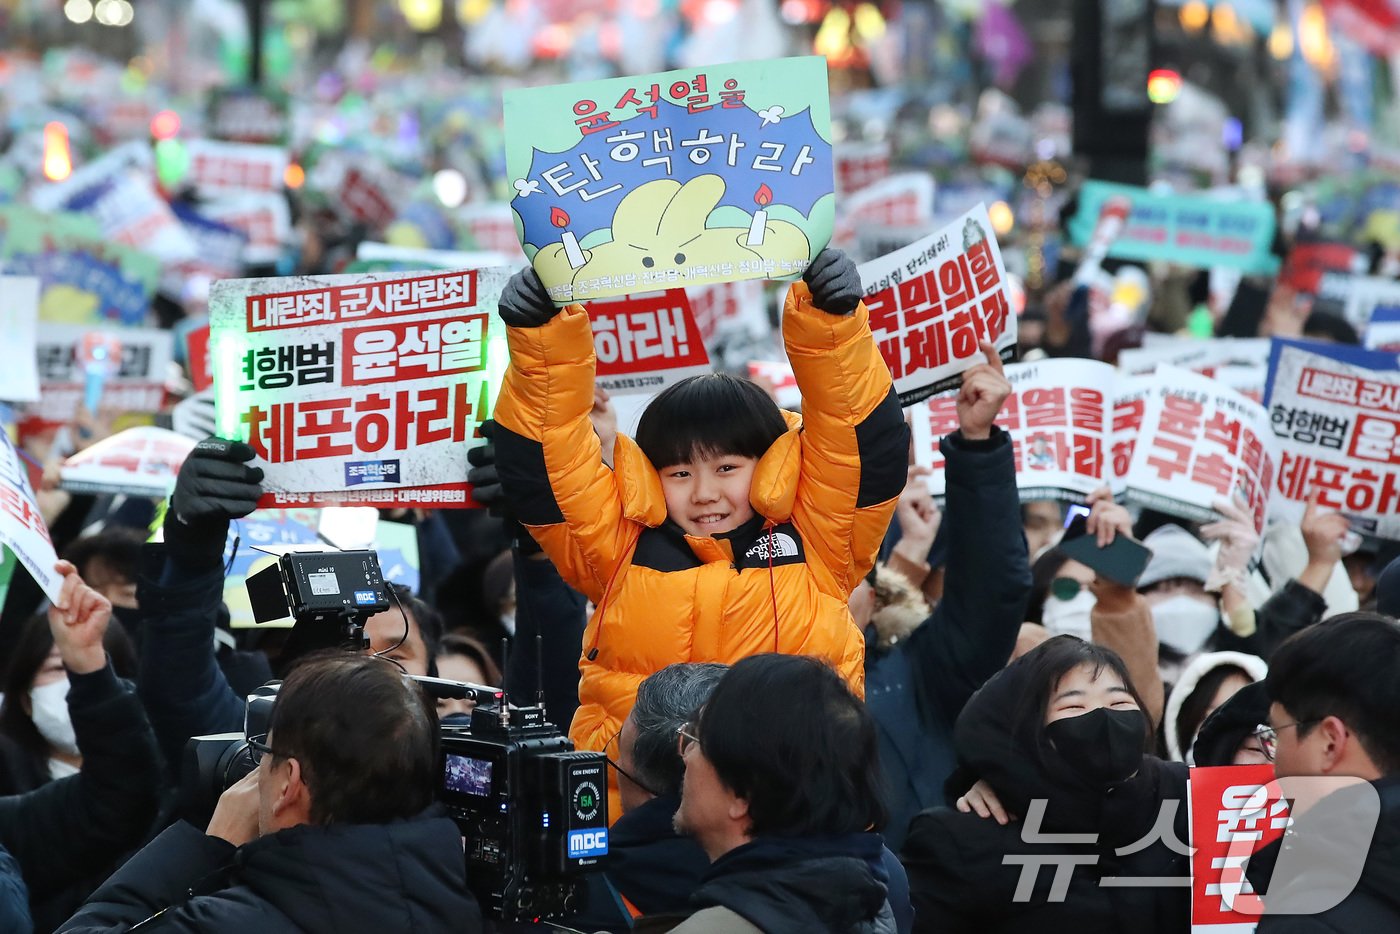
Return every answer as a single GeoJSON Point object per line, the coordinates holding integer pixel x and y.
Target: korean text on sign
{"type": "Point", "coordinates": [644, 343]}
{"type": "Point", "coordinates": [933, 303]}
{"type": "Point", "coordinates": [22, 528]}
{"type": "Point", "coordinates": [358, 388]}
{"type": "Point", "coordinates": [1336, 414]}
{"type": "Point", "coordinates": [1200, 444]}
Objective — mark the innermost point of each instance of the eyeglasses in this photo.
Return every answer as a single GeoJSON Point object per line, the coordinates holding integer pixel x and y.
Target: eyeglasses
{"type": "Point", "coordinates": [1268, 737]}
{"type": "Point", "coordinates": [258, 747]}
{"type": "Point", "coordinates": [685, 738]}
{"type": "Point", "coordinates": [623, 772]}
{"type": "Point", "coordinates": [1065, 588]}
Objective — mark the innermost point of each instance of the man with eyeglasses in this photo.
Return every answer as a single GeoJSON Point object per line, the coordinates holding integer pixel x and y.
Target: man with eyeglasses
{"type": "Point", "coordinates": [1334, 692]}
{"type": "Point", "coordinates": [336, 830]}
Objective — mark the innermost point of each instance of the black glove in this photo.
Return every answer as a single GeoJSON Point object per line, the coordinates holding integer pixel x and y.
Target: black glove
{"type": "Point", "coordinates": [214, 486]}
{"type": "Point", "coordinates": [485, 480]}
{"type": "Point", "coordinates": [524, 301]}
{"type": "Point", "coordinates": [834, 282]}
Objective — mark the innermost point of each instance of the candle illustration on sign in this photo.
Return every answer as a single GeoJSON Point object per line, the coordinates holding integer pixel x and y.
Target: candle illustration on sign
{"type": "Point", "coordinates": [763, 197]}
{"type": "Point", "coordinates": [560, 218]}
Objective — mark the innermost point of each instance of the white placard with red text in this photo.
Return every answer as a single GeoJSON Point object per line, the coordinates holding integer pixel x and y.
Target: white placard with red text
{"type": "Point", "coordinates": [1057, 415]}
{"type": "Point", "coordinates": [138, 386]}
{"type": "Point", "coordinates": [904, 200]}
{"type": "Point", "coordinates": [1200, 443]}
{"type": "Point", "coordinates": [263, 216]}
{"type": "Point", "coordinates": [1336, 412]}
{"type": "Point", "coordinates": [644, 343]}
{"type": "Point", "coordinates": [730, 307]}
{"type": "Point", "coordinates": [22, 528]}
{"type": "Point", "coordinates": [1234, 812]}
{"type": "Point", "coordinates": [861, 164]}
{"type": "Point", "coordinates": [140, 461]}
{"type": "Point", "coordinates": [932, 303]}
{"type": "Point", "coordinates": [219, 168]}
{"type": "Point", "coordinates": [777, 377]}
{"type": "Point", "coordinates": [363, 390]}
{"type": "Point", "coordinates": [1240, 363]}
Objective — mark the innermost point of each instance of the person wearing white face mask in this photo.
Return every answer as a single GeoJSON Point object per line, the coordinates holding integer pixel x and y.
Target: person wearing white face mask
{"type": "Point", "coordinates": [66, 836]}
{"type": "Point", "coordinates": [37, 740]}
{"type": "Point", "coordinates": [1174, 585]}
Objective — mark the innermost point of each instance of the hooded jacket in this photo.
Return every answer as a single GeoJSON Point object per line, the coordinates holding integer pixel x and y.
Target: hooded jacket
{"type": "Point", "coordinates": [823, 494]}
{"type": "Point", "coordinates": [342, 878]}
{"type": "Point", "coordinates": [1201, 666]}
{"type": "Point", "coordinates": [1336, 824]}
{"type": "Point", "coordinates": [836, 885]}
{"type": "Point", "coordinates": [966, 872]}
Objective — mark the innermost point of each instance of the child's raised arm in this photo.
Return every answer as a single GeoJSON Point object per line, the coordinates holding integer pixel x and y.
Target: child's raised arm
{"type": "Point", "coordinates": [548, 456]}
{"type": "Point", "coordinates": [855, 443]}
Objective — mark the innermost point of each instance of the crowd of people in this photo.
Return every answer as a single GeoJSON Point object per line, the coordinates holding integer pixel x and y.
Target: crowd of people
{"type": "Point", "coordinates": [828, 704]}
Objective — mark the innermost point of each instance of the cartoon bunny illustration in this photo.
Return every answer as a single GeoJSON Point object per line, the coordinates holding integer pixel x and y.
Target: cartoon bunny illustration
{"type": "Point", "coordinates": [662, 225]}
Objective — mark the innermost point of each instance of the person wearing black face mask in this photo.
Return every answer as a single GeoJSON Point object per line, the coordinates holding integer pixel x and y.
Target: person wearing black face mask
{"type": "Point", "coordinates": [1060, 739]}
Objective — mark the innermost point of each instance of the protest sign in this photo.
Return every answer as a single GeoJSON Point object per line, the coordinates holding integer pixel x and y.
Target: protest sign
{"type": "Point", "coordinates": [219, 255]}
{"type": "Point", "coordinates": [19, 314]}
{"type": "Point", "coordinates": [1383, 332]}
{"type": "Point", "coordinates": [140, 461]}
{"type": "Point", "coordinates": [900, 201]}
{"type": "Point", "coordinates": [385, 257]}
{"type": "Point", "coordinates": [777, 377]}
{"type": "Point", "coordinates": [1336, 413]}
{"type": "Point", "coordinates": [249, 115]}
{"type": "Point", "coordinates": [361, 186]}
{"type": "Point", "coordinates": [1240, 363]}
{"type": "Point", "coordinates": [119, 191]}
{"type": "Point", "coordinates": [7, 571]}
{"type": "Point", "coordinates": [729, 307]}
{"type": "Point", "coordinates": [197, 357]}
{"type": "Point", "coordinates": [138, 385]}
{"type": "Point", "coordinates": [83, 277]}
{"type": "Point", "coordinates": [931, 303]}
{"type": "Point", "coordinates": [492, 227]}
{"type": "Point", "coordinates": [219, 169]}
{"type": "Point", "coordinates": [1361, 296]}
{"type": "Point", "coordinates": [1309, 262]}
{"type": "Point", "coordinates": [677, 179]}
{"type": "Point", "coordinates": [1190, 230]}
{"type": "Point", "coordinates": [861, 164]}
{"type": "Point", "coordinates": [1057, 417]}
{"type": "Point", "coordinates": [1201, 443]}
{"type": "Point", "coordinates": [363, 390]}
{"type": "Point", "coordinates": [1234, 812]}
{"type": "Point", "coordinates": [644, 343]}
{"type": "Point", "coordinates": [22, 528]}
{"type": "Point", "coordinates": [262, 217]}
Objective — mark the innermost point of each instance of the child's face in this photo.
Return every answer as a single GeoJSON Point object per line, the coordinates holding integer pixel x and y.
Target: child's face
{"type": "Point", "coordinates": [709, 495]}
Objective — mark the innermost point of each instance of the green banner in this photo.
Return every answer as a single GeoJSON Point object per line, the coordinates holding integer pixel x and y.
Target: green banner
{"type": "Point", "coordinates": [1189, 230]}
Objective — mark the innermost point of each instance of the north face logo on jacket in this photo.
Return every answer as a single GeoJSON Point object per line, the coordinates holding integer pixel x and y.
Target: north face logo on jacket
{"type": "Point", "coordinates": [783, 546]}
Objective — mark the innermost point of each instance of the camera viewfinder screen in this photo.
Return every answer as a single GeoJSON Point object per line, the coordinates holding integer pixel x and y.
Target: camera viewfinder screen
{"type": "Point", "coordinates": [468, 775]}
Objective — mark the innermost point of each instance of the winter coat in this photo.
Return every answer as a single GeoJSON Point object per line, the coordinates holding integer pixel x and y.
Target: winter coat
{"type": "Point", "coordinates": [774, 885]}
{"type": "Point", "coordinates": [1333, 825]}
{"type": "Point", "coordinates": [1202, 665]}
{"type": "Point", "coordinates": [341, 878]}
{"type": "Point", "coordinates": [823, 493]}
{"type": "Point", "coordinates": [917, 680]}
{"type": "Point", "coordinates": [652, 871]}
{"type": "Point", "coordinates": [965, 871]}
{"type": "Point", "coordinates": [67, 834]}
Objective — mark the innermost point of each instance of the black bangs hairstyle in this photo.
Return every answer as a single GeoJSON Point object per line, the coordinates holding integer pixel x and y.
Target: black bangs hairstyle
{"type": "Point", "coordinates": [785, 733]}
{"type": "Point", "coordinates": [1046, 664]}
{"type": "Point", "coordinates": [709, 416]}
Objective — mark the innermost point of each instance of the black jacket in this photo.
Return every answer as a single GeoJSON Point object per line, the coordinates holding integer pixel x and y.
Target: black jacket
{"type": "Point", "coordinates": [1374, 903]}
{"type": "Point", "coordinates": [789, 885]}
{"type": "Point", "coordinates": [916, 689]}
{"type": "Point", "coordinates": [965, 871]}
{"type": "Point", "coordinates": [346, 878]}
{"type": "Point", "coordinates": [73, 829]}
{"type": "Point", "coordinates": [648, 864]}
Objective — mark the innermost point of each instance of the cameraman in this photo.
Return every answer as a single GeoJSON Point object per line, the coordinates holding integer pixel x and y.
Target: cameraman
{"type": "Point", "coordinates": [181, 588]}
{"type": "Point", "coordinates": [72, 829]}
{"type": "Point", "coordinates": [336, 830]}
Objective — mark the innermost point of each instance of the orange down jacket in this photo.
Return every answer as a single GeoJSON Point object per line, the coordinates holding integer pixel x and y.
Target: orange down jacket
{"type": "Point", "coordinates": [823, 493]}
